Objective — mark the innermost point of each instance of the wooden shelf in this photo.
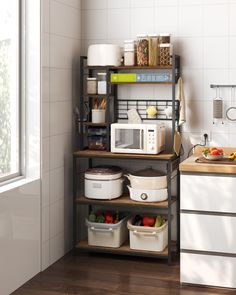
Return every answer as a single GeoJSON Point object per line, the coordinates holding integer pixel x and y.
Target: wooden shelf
{"type": "Point", "coordinates": [98, 95]}
{"type": "Point", "coordinates": [96, 124]}
{"type": "Point", "coordinates": [167, 67]}
{"type": "Point", "coordinates": [124, 201]}
{"type": "Point", "coordinates": [125, 250]}
{"type": "Point", "coordinates": [164, 156]}
{"type": "Point", "coordinates": [139, 83]}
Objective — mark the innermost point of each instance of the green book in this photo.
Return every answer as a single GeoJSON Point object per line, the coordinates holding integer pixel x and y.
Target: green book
{"type": "Point", "coordinates": [122, 77]}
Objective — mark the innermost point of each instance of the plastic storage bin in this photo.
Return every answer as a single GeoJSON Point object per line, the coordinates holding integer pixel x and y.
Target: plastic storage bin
{"type": "Point", "coordinates": [107, 235]}
{"type": "Point", "coordinates": [148, 238]}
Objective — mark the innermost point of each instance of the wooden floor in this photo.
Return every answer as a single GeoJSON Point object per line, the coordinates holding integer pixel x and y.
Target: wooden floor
{"type": "Point", "coordinates": [111, 275]}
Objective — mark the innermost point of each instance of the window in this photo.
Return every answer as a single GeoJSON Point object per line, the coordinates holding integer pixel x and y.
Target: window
{"type": "Point", "coordinates": [9, 89]}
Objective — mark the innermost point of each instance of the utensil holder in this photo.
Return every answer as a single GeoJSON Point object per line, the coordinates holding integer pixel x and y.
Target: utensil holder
{"type": "Point", "coordinates": [98, 116]}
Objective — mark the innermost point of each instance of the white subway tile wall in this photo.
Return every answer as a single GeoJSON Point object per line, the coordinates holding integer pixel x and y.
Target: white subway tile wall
{"type": "Point", "coordinates": [61, 44]}
{"type": "Point", "coordinates": [204, 35]}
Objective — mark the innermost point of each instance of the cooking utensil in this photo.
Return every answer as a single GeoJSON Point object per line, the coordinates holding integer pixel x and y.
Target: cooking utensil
{"type": "Point", "coordinates": [148, 179]}
{"type": "Point", "coordinates": [231, 111]}
{"type": "Point", "coordinates": [103, 182]}
{"type": "Point", "coordinates": [144, 195]}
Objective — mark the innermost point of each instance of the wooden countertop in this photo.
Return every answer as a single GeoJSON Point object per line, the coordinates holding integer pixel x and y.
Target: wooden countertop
{"type": "Point", "coordinates": [189, 165]}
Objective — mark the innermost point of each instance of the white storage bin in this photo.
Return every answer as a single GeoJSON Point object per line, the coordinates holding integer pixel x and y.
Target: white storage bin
{"type": "Point", "coordinates": [148, 238]}
{"type": "Point", "coordinates": [107, 235]}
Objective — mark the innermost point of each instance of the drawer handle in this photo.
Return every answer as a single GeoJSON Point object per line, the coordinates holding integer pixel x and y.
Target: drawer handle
{"type": "Point", "coordinates": [138, 233]}
{"type": "Point", "coordinates": [107, 230]}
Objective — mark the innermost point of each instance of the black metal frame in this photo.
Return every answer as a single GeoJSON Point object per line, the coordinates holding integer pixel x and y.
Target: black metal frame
{"type": "Point", "coordinates": [171, 164]}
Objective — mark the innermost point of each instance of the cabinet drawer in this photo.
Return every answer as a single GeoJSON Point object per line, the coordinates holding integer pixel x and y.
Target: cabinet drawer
{"type": "Point", "coordinates": [208, 193]}
{"type": "Point", "coordinates": [208, 233]}
{"type": "Point", "coordinates": [208, 270]}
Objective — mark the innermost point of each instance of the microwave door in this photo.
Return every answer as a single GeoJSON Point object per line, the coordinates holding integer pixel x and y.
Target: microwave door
{"type": "Point", "coordinates": [128, 140]}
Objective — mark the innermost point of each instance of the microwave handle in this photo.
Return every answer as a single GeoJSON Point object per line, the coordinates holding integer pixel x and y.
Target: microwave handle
{"type": "Point", "coordinates": [141, 139]}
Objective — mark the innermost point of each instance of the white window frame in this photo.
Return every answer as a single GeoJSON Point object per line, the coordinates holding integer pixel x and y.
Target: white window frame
{"type": "Point", "coordinates": [21, 98]}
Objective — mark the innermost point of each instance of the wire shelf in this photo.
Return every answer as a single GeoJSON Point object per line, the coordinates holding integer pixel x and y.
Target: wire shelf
{"type": "Point", "coordinates": [123, 105]}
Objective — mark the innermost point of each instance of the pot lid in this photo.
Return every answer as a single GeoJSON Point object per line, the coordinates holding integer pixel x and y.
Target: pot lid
{"type": "Point", "coordinates": [148, 172]}
{"type": "Point", "coordinates": [104, 170]}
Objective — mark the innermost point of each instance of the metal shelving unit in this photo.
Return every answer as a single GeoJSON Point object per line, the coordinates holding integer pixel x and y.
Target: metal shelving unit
{"type": "Point", "coordinates": [168, 159]}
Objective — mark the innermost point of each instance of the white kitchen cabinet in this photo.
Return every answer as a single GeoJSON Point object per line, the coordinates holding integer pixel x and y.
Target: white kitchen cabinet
{"type": "Point", "coordinates": [209, 270]}
{"type": "Point", "coordinates": [208, 233]}
{"type": "Point", "coordinates": [208, 192]}
{"type": "Point", "coordinates": [208, 228]}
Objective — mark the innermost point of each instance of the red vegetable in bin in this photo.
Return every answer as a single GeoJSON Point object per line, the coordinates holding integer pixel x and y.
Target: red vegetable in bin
{"type": "Point", "coordinates": [108, 217]}
{"type": "Point", "coordinates": [148, 221]}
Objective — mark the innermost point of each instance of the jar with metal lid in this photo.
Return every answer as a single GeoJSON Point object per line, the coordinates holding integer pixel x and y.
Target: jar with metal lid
{"type": "Point", "coordinates": [142, 50]}
{"type": "Point", "coordinates": [102, 83]}
{"type": "Point", "coordinates": [164, 38]}
{"type": "Point", "coordinates": [153, 49]}
{"type": "Point", "coordinates": [129, 57]}
{"type": "Point", "coordinates": [91, 85]}
{"type": "Point", "coordinates": [166, 52]}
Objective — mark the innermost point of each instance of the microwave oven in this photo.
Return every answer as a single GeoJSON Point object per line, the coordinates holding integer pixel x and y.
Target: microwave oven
{"type": "Point", "coordinates": [137, 138]}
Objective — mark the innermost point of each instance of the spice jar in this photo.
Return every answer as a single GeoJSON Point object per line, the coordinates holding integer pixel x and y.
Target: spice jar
{"type": "Point", "coordinates": [164, 38]}
{"type": "Point", "coordinates": [129, 57]}
{"type": "Point", "coordinates": [102, 83]}
{"type": "Point", "coordinates": [91, 85]}
{"type": "Point", "coordinates": [142, 50]}
{"type": "Point", "coordinates": [153, 49]}
{"type": "Point", "coordinates": [166, 51]}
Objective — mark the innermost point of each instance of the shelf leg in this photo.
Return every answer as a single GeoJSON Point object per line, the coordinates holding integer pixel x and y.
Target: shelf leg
{"type": "Point", "coordinates": [169, 211]}
{"type": "Point", "coordinates": [74, 203]}
{"type": "Point", "coordinates": [178, 211]}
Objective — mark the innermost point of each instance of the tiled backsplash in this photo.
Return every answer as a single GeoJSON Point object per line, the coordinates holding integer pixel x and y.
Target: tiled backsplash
{"type": "Point", "coordinates": [204, 35]}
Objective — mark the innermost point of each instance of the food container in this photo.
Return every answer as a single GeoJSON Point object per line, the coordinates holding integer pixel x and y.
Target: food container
{"type": "Point", "coordinates": [142, 195]}
{"type": "Point", "coordinates": [148, 238]}
{"type": "Point", "coordinates": [164, 38]}
{"type": "Point", "coordinates": [166, 52]}
{"type": "Point", "coordinates": [142, 50]}
{"type": "Point", "coordinates": [107, 235]}
{"type": "Point", "coordinates": [153, 49]}
{"type": "Point", "coordinates": [102, 83]}
{"type": "Point", "coordinates": [148, 179]}
{"type": "Point", "coordinates": [104, 182]}
{"type": "Point", "coordinates": [97, 143]}
{"type": "Point", "coordinates": [129, 57]}
{"type": "Point", "coordinates": [97, 131]}
{"type": "Point", "coordinates": [104, 55]}
{"type": "Point", "coordinates": [91, 85]}
{"type": "Point", "coordinates": [129, 45]}
{"type": "Point", "coordinates": [98, 116]}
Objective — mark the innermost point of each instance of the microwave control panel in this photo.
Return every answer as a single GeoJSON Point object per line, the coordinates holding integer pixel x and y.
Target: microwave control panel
{"type": "Point", "coordinates": [151, 141]}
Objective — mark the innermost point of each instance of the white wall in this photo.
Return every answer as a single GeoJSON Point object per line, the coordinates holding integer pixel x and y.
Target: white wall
{"type": "Point", "coordinates": [61, 22]}
{"type": "Point", "coordinates": [204, 35]}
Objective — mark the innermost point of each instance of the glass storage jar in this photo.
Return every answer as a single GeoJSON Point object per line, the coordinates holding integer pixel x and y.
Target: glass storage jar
{"type": "Point", "coordinates": [129, 57]}
{"type": "Point", "coordinates": [164, 38]}
{"type": "Point", "coordinates": [166, 52]}
{"type": "Point", "coordinates": [153, 49]}
{"type": "Point", "coordinates": [102, 83]}
{"type": "Point", "coordinates": [97, 143]}
{"type": "Point", "coordinates": [92, 85]}
{"type": "Point", "coordinates": [142, 50]}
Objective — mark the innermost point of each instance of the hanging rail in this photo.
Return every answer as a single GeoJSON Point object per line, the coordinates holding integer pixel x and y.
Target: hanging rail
{"type": "Point", "coordinates": [222, 86]}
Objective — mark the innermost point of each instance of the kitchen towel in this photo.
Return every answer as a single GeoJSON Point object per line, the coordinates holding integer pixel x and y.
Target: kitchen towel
{"type": "Point", "coordinates": [181, 98]}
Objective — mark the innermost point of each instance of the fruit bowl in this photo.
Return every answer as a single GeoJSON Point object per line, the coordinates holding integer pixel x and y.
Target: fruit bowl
{"type": "Point", "coordinates": [213, 153]}
{"type": "Point", "coordinates": [212, 157]}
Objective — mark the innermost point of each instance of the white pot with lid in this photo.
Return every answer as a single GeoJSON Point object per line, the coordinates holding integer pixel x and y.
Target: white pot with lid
{"type": "Point", "coordinates": [103, 182]}
{"type": "Point", "coordinates": [145, 195]}
{"type": "Point", "coordinates": [148, 179]}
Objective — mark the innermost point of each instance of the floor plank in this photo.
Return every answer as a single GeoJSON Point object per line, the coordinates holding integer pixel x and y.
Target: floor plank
{"type": "Point", "coordinates": [97, 274]}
